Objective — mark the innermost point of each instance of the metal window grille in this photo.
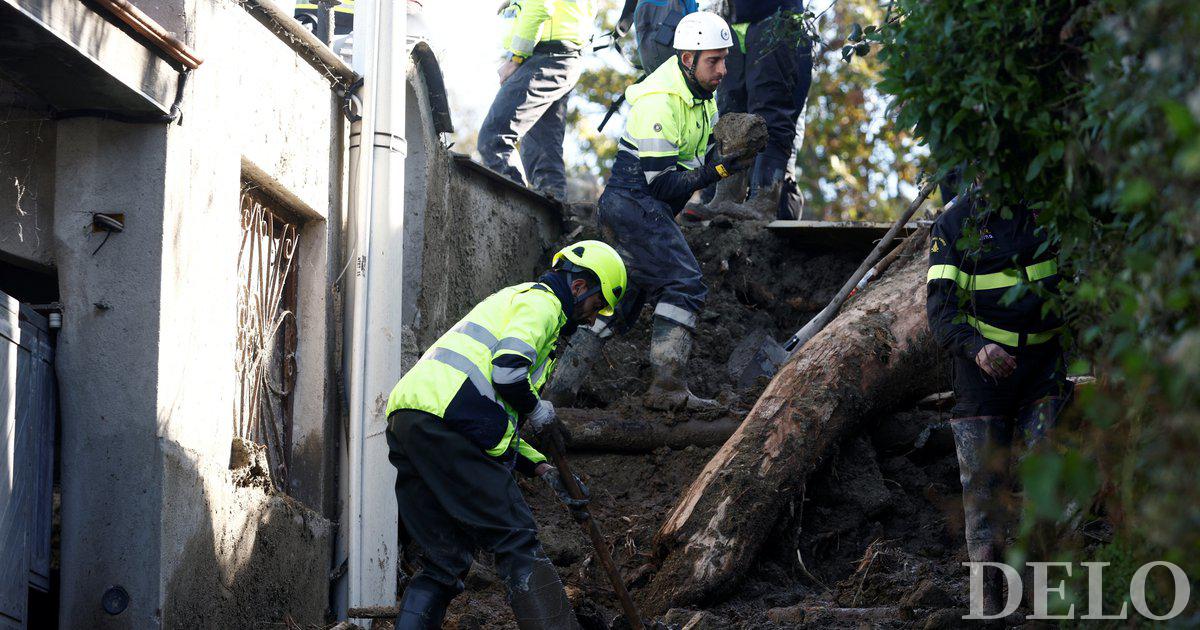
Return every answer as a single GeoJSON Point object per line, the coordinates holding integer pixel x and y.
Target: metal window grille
{"type": "Point", "coordinates": [266, 336]}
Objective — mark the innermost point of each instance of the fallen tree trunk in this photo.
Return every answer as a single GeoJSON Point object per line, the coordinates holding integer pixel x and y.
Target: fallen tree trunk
{"type": "Point", "coordinates": [598, 430]}
{"type": "Point", "coordinates": [877, 354]}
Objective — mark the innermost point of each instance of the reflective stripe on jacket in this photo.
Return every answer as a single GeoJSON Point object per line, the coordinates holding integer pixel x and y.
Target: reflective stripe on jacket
{"type": "Point", "coordinates": [975, 257]}
{"type": "Point", "coordinates": [453, 379]}
{"type": "Point", "coordinates": [667, 128]}
{"type": "Point", "coordinates": [549, 20]}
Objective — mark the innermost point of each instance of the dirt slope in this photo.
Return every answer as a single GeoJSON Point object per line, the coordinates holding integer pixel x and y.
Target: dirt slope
{"type": "Point", "coordinates": [881, 522]}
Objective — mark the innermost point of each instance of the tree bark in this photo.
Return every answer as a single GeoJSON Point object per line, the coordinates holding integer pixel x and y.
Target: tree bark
{"type": "Point", "coordinates": [877, 354]}
{"type": "Point", "coordinates": [599, 430]}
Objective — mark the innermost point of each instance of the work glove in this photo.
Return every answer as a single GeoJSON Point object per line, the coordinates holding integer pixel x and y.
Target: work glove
{"type": "Point", "coordinates": [541, 417]}
{"type": "Point", "coordinates": [738, 162]}
{"type": "Point", "coordinates": [578, 507]}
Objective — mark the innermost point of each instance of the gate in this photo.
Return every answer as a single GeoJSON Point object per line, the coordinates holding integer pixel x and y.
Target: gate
{"type": "Point", "coordinates": [26, 457]}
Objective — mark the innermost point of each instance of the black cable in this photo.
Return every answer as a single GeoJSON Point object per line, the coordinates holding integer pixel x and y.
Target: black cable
{"type": "Point", "coordinates": [347, 100]}
{"type": "Point", "coordinates": [108, 114]}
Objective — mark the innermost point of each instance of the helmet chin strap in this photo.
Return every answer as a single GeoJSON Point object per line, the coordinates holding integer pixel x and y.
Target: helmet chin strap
{"type": "Point", "coordinates": [689, 77]}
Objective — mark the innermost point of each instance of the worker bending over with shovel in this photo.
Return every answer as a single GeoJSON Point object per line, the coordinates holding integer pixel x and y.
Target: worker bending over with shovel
{"type": "Point", "coordinates": [1009, 374]}
{"type": "Point", "coordinates": [455, 425]}
{"type": "Point", "coordinates": [663, 158]}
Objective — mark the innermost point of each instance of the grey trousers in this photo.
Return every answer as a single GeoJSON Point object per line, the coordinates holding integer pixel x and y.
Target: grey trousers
{"type": "Point", "coordinates": [530, 110]}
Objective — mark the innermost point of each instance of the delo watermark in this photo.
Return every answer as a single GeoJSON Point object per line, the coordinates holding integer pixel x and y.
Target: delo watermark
{"type": "Point", "coordinates": [1095, 576]}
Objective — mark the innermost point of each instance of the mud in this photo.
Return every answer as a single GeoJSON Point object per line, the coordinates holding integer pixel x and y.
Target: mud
{"type": "Point", "coordinates": [737, 133]}
{"type": "Point", "coordinates": [877, 531]}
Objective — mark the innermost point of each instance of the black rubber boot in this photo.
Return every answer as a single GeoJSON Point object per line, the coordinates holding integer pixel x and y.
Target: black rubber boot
{"type": "Point", "coordinates": [540, 603]}
{"type": "Point", "coordinates": [422, 608]}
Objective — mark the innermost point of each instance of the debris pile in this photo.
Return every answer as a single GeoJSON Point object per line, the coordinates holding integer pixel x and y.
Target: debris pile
{"type": "Point", "coordinates": [873, 537]}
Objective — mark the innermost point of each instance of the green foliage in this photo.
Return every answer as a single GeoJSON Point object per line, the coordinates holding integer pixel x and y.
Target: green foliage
{"type": "Point", "coordinates": [854, 159]}
{"type": "Point", "coordinates": [1090, 113]}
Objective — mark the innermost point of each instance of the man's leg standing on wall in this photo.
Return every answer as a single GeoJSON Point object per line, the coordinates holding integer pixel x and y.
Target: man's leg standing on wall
{"type": "Point", "coordinates": [542, 152]}
{"type": "Point", "coordinates": [531, 91]}
{"type": "Point", "coordinates": [778, 77]}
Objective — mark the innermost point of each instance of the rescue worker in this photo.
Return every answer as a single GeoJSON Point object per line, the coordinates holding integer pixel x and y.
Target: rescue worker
{"type": "Point", "coordinates": [542, 65]}
{"type": "Point", "coordinates": [1009, 372]}
{"type": "Point", "coordinates": [455, 427]}
{"type": "Point", "coordinates": [770, 75]}
{"type": "Point", "coordinates": [654, 23]}
{"type": "Point", "coordinates": [660, 163]}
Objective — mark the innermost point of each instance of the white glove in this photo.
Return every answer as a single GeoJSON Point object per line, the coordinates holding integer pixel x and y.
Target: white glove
{"type": "Point", "coordinates": [541, 417]}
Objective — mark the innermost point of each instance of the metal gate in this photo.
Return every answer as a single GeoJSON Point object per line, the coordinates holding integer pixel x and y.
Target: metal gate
{"type": "Point", "coordinates": [26, 457]}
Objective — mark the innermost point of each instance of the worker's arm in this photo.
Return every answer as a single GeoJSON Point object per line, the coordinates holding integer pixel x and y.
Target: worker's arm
{"type": "Point", "coordinates": [626, 20]}
{"type": "Point", "coordinates": [525, 30]}
{"type": "Point", "coordinates": [533, 320]}
{"type": "Point", "coordinates": [653, 134]}
{"type": "Point", "coordinates": [942, 295]}
{"type": "Point", "coordinates": [528, 459]}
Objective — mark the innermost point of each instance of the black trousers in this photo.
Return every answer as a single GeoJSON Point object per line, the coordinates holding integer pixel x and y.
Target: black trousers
{"type": "Point", "coordinates": [991, 419]}
{"type": "Point", "coordinates": [454, 500]}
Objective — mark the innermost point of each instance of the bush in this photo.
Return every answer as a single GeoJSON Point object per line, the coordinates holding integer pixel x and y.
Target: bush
{"type": "Point", "coordinates": [1090, 113]}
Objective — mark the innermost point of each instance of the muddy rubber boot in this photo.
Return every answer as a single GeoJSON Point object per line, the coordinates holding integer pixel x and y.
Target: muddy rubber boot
{"type": "Point", "coordinates": [670, 345]}
{"type": "Point", "coordinates": [993, 579]}
{"type": "Point", "coordinates": [541, 603]}
{"type": "Point", "coordinates": [422, 608]}
{"type": "Point", "coordinates": [730, 194]}
{"type": "Point", "coordinates": [764, 203]}
{"type": "Point", "coordinates": [573, 367]}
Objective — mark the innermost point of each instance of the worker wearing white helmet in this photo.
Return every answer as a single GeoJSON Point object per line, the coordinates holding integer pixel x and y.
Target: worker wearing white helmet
{"type": "Point", "coordinates": [665, 155]}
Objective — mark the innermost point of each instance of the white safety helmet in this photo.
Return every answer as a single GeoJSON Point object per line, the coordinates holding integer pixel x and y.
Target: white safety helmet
{"type": "Point", "coordinates": [702, 30]}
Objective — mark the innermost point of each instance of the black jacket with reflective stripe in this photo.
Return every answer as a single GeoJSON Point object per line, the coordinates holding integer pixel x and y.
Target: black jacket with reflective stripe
{"type": "Point", "coordinates": [975, 257]}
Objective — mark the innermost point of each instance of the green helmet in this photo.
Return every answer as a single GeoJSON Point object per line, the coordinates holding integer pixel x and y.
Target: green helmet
{"type": "Point", "coordinates": [601, 259]}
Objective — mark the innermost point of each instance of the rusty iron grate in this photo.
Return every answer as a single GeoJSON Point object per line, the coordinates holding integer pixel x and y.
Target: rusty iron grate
{"type": "Point", "coordinates": [266, 336]}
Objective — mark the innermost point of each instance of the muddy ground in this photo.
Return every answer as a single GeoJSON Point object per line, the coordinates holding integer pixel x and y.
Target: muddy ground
{"type": "Point", "coordinates": [880, 523]}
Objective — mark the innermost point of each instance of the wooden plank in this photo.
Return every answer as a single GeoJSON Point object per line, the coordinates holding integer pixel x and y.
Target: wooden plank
{"type": "Point", "coordinates": [834, 233]}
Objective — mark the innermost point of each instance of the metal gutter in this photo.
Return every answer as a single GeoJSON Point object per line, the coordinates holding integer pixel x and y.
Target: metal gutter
{"type": "Point", "coordinates": [145, 26]}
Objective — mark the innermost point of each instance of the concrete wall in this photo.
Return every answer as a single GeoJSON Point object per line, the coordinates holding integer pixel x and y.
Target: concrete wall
{"type": "Point", "coordinates": [26, 179]}
{"type": "Point", "coordinates": [147, 350]}
{"type": "Point", "coordinates": [466, 234]}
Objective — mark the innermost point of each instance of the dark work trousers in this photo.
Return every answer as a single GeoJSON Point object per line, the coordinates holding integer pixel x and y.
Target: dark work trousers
{"type": "Point", "coordinates": [530, 110]}
{"type": "Point", "coordinates": [455, 500]}
{"type": "Point", "coordinates": [662, 269]}
{"type": "Point", "coordinates": [988, 417]}
{"type": "Point", "coordinates": [778, 76]}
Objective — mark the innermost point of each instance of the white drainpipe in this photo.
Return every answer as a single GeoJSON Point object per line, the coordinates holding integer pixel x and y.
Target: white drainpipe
{"type": "Point", "coordinates": [374, 321]}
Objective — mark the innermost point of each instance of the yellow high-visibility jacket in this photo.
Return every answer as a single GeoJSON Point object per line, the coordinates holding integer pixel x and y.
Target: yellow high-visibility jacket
{"type": "Point", "coordinates": [549, 20]}
{"type": "Point", "coordinates": [455, 378]}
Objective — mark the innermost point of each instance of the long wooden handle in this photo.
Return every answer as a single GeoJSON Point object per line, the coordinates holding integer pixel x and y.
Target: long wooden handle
{"type": "Point", "coordinates": [557, 454]}
{"type": "Point", "coordinates": [827, 314]}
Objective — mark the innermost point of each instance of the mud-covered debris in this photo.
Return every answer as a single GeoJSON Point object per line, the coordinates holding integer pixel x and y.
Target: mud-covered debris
{"type": "Point", "coordinates": [928, 593]}
{"type": "Point", "coordinates": [737, 133]}
{"type": "Point", "coordinates": [248, 464]}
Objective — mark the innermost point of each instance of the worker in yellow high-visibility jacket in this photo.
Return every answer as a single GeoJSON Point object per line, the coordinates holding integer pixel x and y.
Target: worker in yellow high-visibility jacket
{"type": "Point", "coordinates": [665, 155]}
{"type": "Point", "coordinates": [455, 425]}
{"type": "Point", "coordinates": [542, 65]}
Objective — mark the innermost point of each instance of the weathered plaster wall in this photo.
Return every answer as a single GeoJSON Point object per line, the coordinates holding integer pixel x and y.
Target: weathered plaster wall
{"type": "Point", "coordinates": [147, 350]}
{"type": "Point", "coordinates": [259, 102]}
{"type": "Point", "coordinates": [26, 178]}
{"type": "Point", "coordinates": [108, 368]}
{"type": "Point", "coordinates": [466, 235]}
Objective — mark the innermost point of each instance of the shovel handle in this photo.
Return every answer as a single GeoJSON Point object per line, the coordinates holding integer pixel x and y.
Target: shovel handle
{"type": "Point", "coordinates": [557, 454]}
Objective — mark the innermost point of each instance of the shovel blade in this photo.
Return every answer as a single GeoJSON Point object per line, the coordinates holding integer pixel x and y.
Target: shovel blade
{"type": "Point", "coordinates": [758, 354]}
